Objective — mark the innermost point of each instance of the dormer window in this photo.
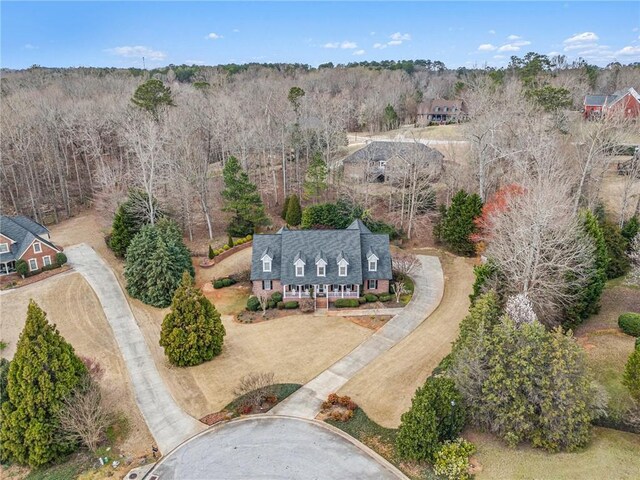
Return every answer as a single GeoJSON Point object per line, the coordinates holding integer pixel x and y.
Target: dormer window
{"type": "Point", "coordinates": [373, 265]}
{"type": "Point", "coordinates": [37, 247]}
{"type": "Point", "coordinates": [266, 264]}
{"type": "Point", "coordinates": [322, 271]}
{"type": "Point", "coordinates": [321, 266]}
{"type": "Point", "coordinates": [342, 270]}
{"type": "Point", "coordinates": [299, 266]}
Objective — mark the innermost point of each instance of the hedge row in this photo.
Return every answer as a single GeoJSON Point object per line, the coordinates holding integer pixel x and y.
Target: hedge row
{"type": "Point", "coordinates": [214, 253]}
{"type": "Point", "coordinates": [223, 282]}
{"type": "Point", "coordinates": [630, 323]}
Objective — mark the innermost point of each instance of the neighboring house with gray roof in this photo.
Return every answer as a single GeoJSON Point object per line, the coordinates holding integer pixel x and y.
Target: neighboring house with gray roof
{"type": "Point", "coordinates": [321, 264]}
{"type": "Point", "coordinates": [379, 160]}
{"type": "Point", "coordinates": [23, 239]}
{"type": "Point", "coordinates": [626, 101]}
{"type": "Point", "coordinates": [439, 110]}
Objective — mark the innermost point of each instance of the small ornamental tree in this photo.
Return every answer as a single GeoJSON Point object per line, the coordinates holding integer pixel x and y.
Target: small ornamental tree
{"type": "Point", "coordinates": [122, 232]}
{"type": "Point", "coordinates": [630, 229]}
{"type": "Point", "coordinates": [457, 224]}
{"type": "Point", "coordinates": [631, 377]}
{"type": "Point", "coordinates": [294, 212]}
{"type": "Point", "coordinates": [193, 332]}
{"type": "Point", "coordinates": [44, 371]}
{"type": "Point", "coordinates": [436, 415]}
{"type": "Point", "coordinates": [22, 268]}
{"type": "Point", "coordinates": [285, 208]}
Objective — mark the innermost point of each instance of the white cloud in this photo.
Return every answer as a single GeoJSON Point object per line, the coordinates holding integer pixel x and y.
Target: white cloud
{"type": "Point", "coordinates": [213, 36]}
{"type": "Point", "coordinates": [509, 47]}
{"type": "Point", "coordinates": [492, 32]}
{"type": "Point", "coordinates": [235, 30]}
{"type": "Point", "coordinates": [28, 46]}
{"type": "Point", "coordinates": [359, 52]}
{"type": "Point", "coordinates": [331, 45]}
{"type": "Point", "coordinates": [582, 38]}
{"type": "Point", "coordinates": [346, 45]}
{"type": "Point", "coordinates": [486, 47]}
{"type": "Point", "coordinates": [379, 45]}
{"type": "Point", "coordinates": [629, 50]}
{"type": "Point", "coordinates": [521, 43]}
{"type": "Point", "coordinates": [394, 42]}
{"type": "Point", "coordinates": [514, 37]}
{"type": "Point", "coordinates": [137, 51]}
{"type": "Point", "coordinates": [400, 36]}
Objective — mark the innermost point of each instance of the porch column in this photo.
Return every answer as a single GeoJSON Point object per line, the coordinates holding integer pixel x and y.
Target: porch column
{"type": "Point", "coordinates": [358, 290]}
{"type": "Point", "coordinates": [342, 291]}
{"type": "Point", "coordinates": [299, 291]}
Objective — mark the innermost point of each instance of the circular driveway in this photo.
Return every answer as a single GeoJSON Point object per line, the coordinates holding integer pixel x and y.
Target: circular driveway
{"type": "Point", "coordinates": [273, 447]}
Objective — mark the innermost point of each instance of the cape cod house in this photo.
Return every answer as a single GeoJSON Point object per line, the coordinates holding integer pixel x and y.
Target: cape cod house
{"type": "Point", "coordinates": [23, 239]}
{"type": "Point", "coordinates": [321, 264]}
{"type": "Point", "coordinates": [439, 110]}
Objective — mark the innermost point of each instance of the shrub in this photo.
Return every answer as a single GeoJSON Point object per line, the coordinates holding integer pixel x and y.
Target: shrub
{"type": "Point", "coordinates": [307, 305]}
{"type": "Point", "coordinates": [227, 282]}
{"type": "Point", "coordinates": [630, 323]}
{"type": "Point", "coordinates": [211, 253]}
{"type": "Point", "coordinates": [638, 342]}
{"type": "Point", "coordinates": [631, 377]}
{"type": "Point", "coordinates": [384, 297]}
{"type": "Point", "coordinates": [347, 303]}
{"type": "Point", "coordinates": [249, 237]}
{"type": "Point", "coordinates": [276, 296]}
{"type": "Point", "coordinates": [362, 300]}
{"type": "Point", "coordinates": [61, 258]}
{"type": "Point", "coordinates": [217, 284]}
{"type": "Point", "coordinates": [225, 248]}
{"type": "Point", "coordinates": [370, 297]}
{"type": "Point", "coordinates": [253, 304]}
{"type": "Point", "coordinates": [452, 459]}
{"type": "Point", "coordinates": [271, 304]}
{"type": "Point", "coordinates": [457, 223]}
{"type": "Point", "coordinates": [280, 305]}
{"type": "Point", "coordinates": [255, 388]}
{"type": "Point", "coordinates": [22, 268]}
{"type": "Point", "coordinates": [291, 305]}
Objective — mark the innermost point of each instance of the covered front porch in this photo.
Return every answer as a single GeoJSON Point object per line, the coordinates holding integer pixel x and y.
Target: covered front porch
{"type": "Point", "coordinates": [331, 291]}
{"type": "Point", "coordinates": [7, 268]}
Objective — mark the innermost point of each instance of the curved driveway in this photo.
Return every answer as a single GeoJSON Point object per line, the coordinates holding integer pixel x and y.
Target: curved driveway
{"type": "Point", "coordinates": [273, 447]}
{"type": "Point", "coordinates": [428, 291]}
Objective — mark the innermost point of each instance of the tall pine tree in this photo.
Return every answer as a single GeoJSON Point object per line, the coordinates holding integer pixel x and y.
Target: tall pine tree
{"type": "Point", "coordinates": [315, 182]}
{"type": "Point", "coordinates": [457, 223]}
{"type": "Point", "coordinates": [43, 372]}
{"type": "Point", "coordinates": [193, 332]}
{"type": "Point", "coordinates": [241, 197]}
{"type": "Point", "coordinates": [294, 211]}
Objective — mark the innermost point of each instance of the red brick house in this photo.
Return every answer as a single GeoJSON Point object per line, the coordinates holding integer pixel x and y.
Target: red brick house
{"type": "Point", "coordinates": [625, 101]}
{"type": "Point", "coordinates": [324, 265]}
{"type": "Point", "coordinates": [23, 239]}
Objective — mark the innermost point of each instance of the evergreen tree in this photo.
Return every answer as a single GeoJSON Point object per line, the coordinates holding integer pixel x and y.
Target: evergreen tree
{"type": "Point", "coordinates": [458, 225]}
{"type": "Point", "coordinates": [484, 311]}
{"type": "Point", "coordinates": [193, 332]}
{"type": "Point", "coordinates": [630, 229]}
{"type": "Point", "coordinates": [130, 217]}
{"type": "Point", "coordinates": [436, 415]}
{"type": "Point", "coordinates": [4, 378]}
{"type": "Point", "coordinates": [390, 117]}
{"type": "Point", "coordinates": [294, 211]}
{"type": "Point", "coordinates": [151, 96]}
{"type": "Point", "coordinates": [616, 249]}
{"type": "Point", "coordinates": [315, 182]}
{"type": "Point", "coordinates": [154, 264]}
{"type": "Point", "coordinates": [43, 372]}
{"type": "Point", "coordinates": [122, 232]}
{"type": "Point", "coordinates": [285, 208]}
{"type": "Point", "coordinates": [241, 197]}
{"type": "Point", "coordinates": [631, 377]}
{"type": "Point", "coordinates": [588, 298]}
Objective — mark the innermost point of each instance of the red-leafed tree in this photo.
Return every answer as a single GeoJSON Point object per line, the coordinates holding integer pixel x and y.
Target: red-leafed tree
{"type": "Point", "coordinates": [498, 202]}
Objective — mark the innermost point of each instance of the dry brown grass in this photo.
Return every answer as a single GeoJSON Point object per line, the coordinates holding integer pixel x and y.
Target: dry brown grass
{"type": "Point", "coordinates": [72, 305]}
{"type": "Point", "coordinates": [385, 387]}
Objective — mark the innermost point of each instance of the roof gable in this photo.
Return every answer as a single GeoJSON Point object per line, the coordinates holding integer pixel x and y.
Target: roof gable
{"type": "Point", "coordinates": [23, 232]}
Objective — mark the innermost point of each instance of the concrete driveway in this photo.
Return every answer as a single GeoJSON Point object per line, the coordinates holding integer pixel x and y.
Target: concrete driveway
{"type": "Point", "coordinates": [167, 422]}
{"type": "Point", "coordinates": [273, 447]}
{"type": "Point", "coordinates": [428, 291]}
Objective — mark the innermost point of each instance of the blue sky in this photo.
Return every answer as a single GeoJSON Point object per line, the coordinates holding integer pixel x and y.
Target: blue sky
{"type": "Point", "coordinates": [119, 34]}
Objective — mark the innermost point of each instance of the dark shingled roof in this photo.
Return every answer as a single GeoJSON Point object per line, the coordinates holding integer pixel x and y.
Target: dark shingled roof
{"type": "Point", "coordinates": [331, 245]}
{"type": "Point", "coordinates": [377, 151]}
{"type": "Point", "coordinates": [23, 231]}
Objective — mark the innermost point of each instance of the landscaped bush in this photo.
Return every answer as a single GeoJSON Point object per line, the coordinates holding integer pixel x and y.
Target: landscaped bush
{"type": "Point", "coordinates": [384, 297]}
{"type": "Point", "coordinates": [276, 296]}
{"type": "Point", "coordinates": [638, 342]}
{"type": "Point", "coordinates": [452, 459]}
{"type": "Point", "coordinates": [347, 303]}
{"type": "Point", "coordinates": [271, 304]}
{"type": "Point", "coordinates": [631, 377]}
{"type": "Point", "coordinates": [370, 297]}
{"type": "Point", "coordinates": [227, 282]}
{"type": "Point", "coordinates": [217, 284]}
{"type": "Point", "coordinates": [253, 304]}
{"type": "Point", "coordinates": [22, 268]}
{"type": "Point", "coordinates": [280, 305]}
{"type": "Point", "coordinates": [61, 258]}
{"type": "Point", "coordinates": [630, 323]}
{"type": "Point", "coordinates": [292, 305]}
{"type": "Point", "coordinates": [362, 300]}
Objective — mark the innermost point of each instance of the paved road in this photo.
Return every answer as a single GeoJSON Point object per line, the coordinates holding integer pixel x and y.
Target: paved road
{"type": "Point", "coordinates": [429, 288]}
{"type": "Point", "coordinates": [268, 447]}
{"type": "Point", "coordinates": [168, 423]}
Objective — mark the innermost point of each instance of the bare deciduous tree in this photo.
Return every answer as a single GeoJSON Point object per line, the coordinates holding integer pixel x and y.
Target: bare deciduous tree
{"type": "Point", "coordinates": [255, 388]}
{"type": "Point", "coordinates": [404, 263]}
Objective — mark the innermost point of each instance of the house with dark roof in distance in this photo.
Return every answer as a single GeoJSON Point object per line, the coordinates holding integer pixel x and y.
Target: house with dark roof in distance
{"type": "Point", "coordinates": [626, 101]}
{"type": "Point", "coordinates": [439, 110]}
{"type": "Point", "coordinates": [321, 264]}
{"type": "Point", "coordinates": [378, 161]}
{"type": "Point", "coordinates": [23, 239]}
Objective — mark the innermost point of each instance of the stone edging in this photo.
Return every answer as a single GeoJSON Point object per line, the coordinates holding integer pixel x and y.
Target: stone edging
{"type": "Point", "coordinates": [218, 258]}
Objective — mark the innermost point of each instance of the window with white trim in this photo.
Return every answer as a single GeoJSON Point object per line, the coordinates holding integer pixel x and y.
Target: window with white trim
{"type": "Point", "coordinates": [342, 270]}
{"type": "Point", "coordinates": [266, 285]}
{"type": "Point", "coordinates": [46, 260]}
{"type": "Point", "coordinates": [37, 247]}
{"type": "Point", "coordinates": [266, 265]}
{"type": "Point", "coordinates": [33, 264]}
{"type": "Point", "coordinates": [299, 270]}
{"type": "Point", "coordinates": [322, 271]}
{"type": "Point", "coordinates": [4, 247]}
{"type": "Point", "coordinates": [372, 284]}
{"type": "Point", "coordinates": [373, 265]}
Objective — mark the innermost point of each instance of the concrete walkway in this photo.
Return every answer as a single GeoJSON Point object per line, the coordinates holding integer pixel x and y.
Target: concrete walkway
{"type": "Point", "coordinates": [270, 447]}
{"type": "Point", "coordinates": [364, 312]}
{"type": "Point", "coordinates": [428, 291]}
{"type": "Point", "coordinates": [167, 422]}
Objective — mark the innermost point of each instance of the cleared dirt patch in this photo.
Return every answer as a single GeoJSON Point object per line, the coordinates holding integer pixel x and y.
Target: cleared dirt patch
{"type": "Point", "coordinates": [385, 387]}
{"type": "Point", "coordinates": [72, 305]}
